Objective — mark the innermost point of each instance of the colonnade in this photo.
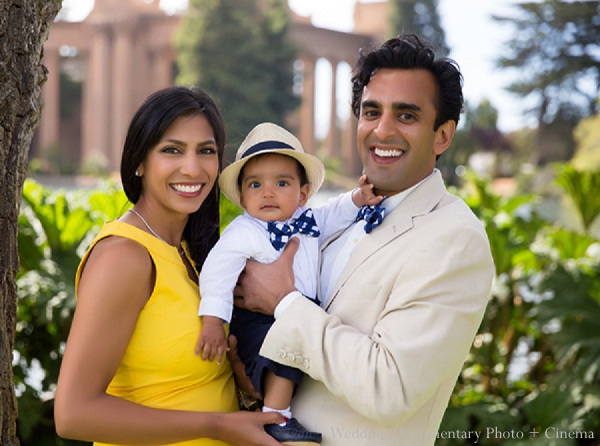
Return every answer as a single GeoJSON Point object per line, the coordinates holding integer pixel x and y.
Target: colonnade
{"type": "Point", "coordinates": [125, 58]}
{"type": "Point", "coordinates": [121, 65]}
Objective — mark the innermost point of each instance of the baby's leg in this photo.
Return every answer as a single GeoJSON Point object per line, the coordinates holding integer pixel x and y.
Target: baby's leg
{"type": "Point", "coordinates": [278, 391]}
{"type": "Point", "coordinates": [278, 394]}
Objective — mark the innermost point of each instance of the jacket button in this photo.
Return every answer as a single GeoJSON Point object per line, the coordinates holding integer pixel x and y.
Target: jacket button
{"type": "Point", "coordinates": [281, 353]}
{"type": "Point", "coordinates": [299, 360]}
{"type": "Point", "coordinates": [290, 357]}
{"type": "Point", "coordinates": [307, 363]}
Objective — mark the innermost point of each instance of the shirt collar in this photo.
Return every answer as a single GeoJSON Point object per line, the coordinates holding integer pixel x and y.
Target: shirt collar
{"type": "Point", "coordinates": [392, 202]}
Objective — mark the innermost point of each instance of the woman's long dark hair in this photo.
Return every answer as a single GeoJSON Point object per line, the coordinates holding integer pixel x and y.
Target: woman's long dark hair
{"type": "Point", "coordinates": [148, 125]}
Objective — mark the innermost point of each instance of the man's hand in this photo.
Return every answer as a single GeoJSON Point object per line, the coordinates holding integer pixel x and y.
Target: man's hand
{"type": "Point", "coordinates": [261, 286]}
{"type": "Point", "coordinates": [242, 380]}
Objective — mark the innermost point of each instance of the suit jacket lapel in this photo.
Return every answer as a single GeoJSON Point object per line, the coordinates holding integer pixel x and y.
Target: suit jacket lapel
{"type": "Point", "coordinates": [419, 202]}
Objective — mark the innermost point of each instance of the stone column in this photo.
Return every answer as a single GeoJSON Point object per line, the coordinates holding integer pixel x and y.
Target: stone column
{"type": "Point", "coordinates": [122, 90]}
{"type": "Point", "coordinates": [333, 141]}
{"type": "Point", "coordinates": [307, 108]}
{"type": "Point", "coordinates": [50, 120]}
{"type": "Point", "coordinates": [163, 68]}
{"type": "Point", "coordinates": [144, 65]}
{"type": "Point", "coordinates": [349, 152]}
{"type": "Point", "coordinates": [96, 125]}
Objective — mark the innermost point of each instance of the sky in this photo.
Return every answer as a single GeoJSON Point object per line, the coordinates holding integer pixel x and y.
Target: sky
{"type": "Point", "coordinates": [475, 40]}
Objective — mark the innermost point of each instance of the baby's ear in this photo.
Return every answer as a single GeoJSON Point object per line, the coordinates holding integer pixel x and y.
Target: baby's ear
{"type": "Point", "coordinates": [304, 190]}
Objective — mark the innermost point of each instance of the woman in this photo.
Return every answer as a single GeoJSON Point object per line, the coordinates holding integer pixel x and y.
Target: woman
{"type": "Point", "coordinates": [129, 374]}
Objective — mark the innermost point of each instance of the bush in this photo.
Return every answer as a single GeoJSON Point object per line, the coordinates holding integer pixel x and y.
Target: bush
{"type": "Point", "coordinates": [534, 365]}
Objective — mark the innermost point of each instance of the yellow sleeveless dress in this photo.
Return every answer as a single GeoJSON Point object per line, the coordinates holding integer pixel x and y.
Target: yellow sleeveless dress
{"type": "Point", "coordinates": [159, 368]}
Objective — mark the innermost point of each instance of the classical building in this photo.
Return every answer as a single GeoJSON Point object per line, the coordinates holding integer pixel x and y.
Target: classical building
{"type": "Point", "coordinates": [123, 50]}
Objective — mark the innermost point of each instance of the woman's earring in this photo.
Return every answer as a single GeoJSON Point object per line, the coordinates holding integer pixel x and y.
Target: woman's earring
{"type": "Point", "coordinates": [137, 173]}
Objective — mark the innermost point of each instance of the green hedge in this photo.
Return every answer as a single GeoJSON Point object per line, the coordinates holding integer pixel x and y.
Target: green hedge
{"type": "Point", "coordinates": [534, 366]}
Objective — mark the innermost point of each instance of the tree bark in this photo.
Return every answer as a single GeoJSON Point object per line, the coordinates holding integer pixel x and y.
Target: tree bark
{"type": "Point", "coordinates": [24, 26]}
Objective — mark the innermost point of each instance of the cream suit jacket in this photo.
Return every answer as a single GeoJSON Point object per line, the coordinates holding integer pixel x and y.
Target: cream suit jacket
{"type": "Point", "coordinates": [382, 359]}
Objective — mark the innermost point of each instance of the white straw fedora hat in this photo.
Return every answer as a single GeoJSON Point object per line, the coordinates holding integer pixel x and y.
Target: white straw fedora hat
{"type": "Point", "coordinates": [270, 138]}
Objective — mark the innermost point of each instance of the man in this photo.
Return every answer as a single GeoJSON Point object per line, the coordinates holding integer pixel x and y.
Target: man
{"type": "Point", "coordinates": [402, 303]}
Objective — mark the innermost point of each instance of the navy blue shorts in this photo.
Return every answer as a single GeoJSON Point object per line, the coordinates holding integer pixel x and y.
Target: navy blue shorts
{"type": "Point", "coordinates": [250, 329]}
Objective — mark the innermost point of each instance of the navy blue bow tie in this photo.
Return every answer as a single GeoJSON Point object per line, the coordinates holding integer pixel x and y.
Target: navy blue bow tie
{"type": "Point", "coordinates": [280, 233]}
{"type": "Point", "coordinates": [372, 215]}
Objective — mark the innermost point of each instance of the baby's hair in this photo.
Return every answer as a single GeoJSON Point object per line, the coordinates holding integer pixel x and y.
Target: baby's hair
{"type": "Point", "coordinates": [301, 170]}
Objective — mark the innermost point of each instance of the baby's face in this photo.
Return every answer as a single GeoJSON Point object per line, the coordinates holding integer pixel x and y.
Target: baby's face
{"type": "Point", "coordinates": [271, 188]}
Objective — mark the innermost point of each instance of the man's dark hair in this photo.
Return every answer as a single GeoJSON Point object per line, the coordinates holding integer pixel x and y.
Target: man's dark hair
{"type": "Point", "coordinates": [408, 52]}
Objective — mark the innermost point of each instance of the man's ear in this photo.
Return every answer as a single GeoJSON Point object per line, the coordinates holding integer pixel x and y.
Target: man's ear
{"type": "Point", "coordinates": [443, 137]}
{"type": "Point", "coordinates": [304, 190]}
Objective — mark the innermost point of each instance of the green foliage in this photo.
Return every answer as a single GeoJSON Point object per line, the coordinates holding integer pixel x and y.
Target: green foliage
{"type": "Point", "coordinates": [55, 228]}
{"type": "Point", "coordinates": [587, 137]}
{"type": "Point", "coordinates": [510, 223]}
{"type": "Point", "coordinates": [574, 312]}
{"type": "Point", "coordinates": [419, 17]}
{"type": "Point", "coordinates": [278, 56]}
{"type": "Point", "coordinates": [228, 211]}
{"type": "Point", "coordinates": [478, 133]}
{"type": "Point", "coordinates": [53, 161]}
{"type": "Point", "coordinates": [555, 48]}
{"type": "Point", "coordinates": [484, 116]}
{"type": "Point", "coordinates": [554, 54]}
{"type": "Point", "coordinates": [535, 362]}
{"type": "Point", "coordinates": [241, 55]}
{"type": "Point", "coordinates": [583, 188]}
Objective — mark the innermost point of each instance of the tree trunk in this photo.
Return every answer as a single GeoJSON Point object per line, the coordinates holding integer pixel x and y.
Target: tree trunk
{"type": "Point", "coordinates": [24, 26]}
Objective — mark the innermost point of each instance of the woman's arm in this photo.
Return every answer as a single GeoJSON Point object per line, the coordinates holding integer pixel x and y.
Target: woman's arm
{"type": "Point", "coordinates": [117, 282]}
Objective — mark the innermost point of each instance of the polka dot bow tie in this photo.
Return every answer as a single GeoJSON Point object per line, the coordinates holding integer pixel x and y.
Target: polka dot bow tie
{"type": "Point", "coordinates": [372, 215]}
{"type": "Point", "coordinates": [280, 233]}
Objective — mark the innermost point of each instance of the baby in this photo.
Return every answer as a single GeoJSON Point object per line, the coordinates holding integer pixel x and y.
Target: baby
{"type": "Point", "coordinates": [272, 179]}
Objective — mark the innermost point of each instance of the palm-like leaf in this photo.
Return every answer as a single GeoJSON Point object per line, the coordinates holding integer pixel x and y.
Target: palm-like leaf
{"type": "Point", "coordinates": [583, 188]}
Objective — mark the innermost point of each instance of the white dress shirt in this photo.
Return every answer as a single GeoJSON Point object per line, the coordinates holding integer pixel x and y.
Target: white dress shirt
{"type": "Point", "coordinates": [247, 238]}
{"type": "Point", "coordinates": [335, 255]}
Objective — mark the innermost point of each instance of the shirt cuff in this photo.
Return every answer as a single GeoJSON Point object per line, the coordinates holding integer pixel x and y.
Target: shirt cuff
{"type": "Point", "coordinates": [352, 201]}
{"type": "Point", "coordinates": [285, 302]}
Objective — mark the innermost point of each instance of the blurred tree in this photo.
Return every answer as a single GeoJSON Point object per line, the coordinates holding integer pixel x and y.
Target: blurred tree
{"type": "Point", "coordinates": [239, 53]}
{"type": "Point", "coordinates": [279, 55]}
{"type": "Point", "coordinates": [23, 29]}
{"type": "Point", "coordinates": [587, 137]}
{"type": "Point", "coordinates": [479, 133]}
{"type": "Point", "coordinates": [419, 17]}
{"type": "Point", "coordinates": [484, 116]}
{"type": "Point", "coordinates": [556, 48]}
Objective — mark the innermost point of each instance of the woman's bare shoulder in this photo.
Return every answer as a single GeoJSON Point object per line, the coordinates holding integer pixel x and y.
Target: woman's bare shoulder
{"type": "Point", "coordinates": [122, 252]}
{"type": "Point", "coordinates": [116, 265]}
